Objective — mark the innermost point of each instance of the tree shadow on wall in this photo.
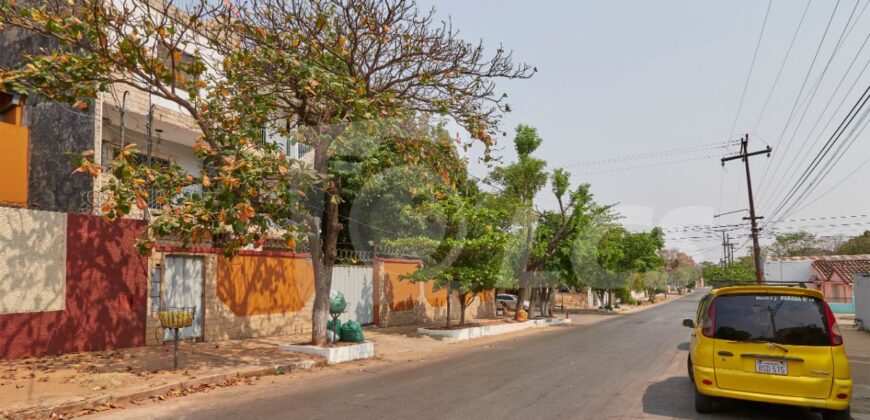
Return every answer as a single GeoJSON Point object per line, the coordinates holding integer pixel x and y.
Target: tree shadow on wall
{"type": "Point", "coordinates": [404, 305]}
{"type": "Point", "coordinates": [104, 303]}
{"type": "Point", "coordinates": [256, 288]}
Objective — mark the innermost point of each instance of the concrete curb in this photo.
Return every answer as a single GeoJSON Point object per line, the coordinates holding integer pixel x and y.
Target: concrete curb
{"type": "Point", "coordinates": [340, 354]}
{"type": "Point", "coordinates": [491, 330]}
{"type": "Point", "coordinates": [161, 390]}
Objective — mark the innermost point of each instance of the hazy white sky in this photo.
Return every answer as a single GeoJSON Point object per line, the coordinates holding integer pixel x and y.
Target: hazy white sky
{"type": "Point", "coordinates": [622, 78]}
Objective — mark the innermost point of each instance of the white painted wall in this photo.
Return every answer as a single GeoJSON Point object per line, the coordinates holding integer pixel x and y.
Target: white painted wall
{"type": "Point", "coordinates": [32, 260]}
{"type": "Point", "coordinates": [861, 290]}
{"type": "Point", "coordinates": [788, 270]}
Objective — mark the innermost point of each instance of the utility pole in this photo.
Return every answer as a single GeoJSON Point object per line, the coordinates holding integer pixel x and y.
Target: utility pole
{"type": "Point", "coordinates": [724, 251]}
{"type": "Point", "coordinates": [730, 250]}
{"type": "Point", "coordinates": [756, 247]}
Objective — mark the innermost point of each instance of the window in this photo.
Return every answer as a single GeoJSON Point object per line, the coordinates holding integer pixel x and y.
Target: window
{"type": "Point", "coordinates": [155, 288]}
{"type": "Point", "coordinates": [783, 319]}
{"type": "Point", "coordinates": [11, 107]}
{"type": "Point", "coordinates": [177, 60]}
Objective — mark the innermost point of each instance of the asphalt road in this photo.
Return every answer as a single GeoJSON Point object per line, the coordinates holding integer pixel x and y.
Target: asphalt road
{"type": "Point", "coordinates": [629, 366]}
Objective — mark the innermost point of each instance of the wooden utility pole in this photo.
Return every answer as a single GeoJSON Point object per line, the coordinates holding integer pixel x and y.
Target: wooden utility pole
{"type": "Point", "coordinates": [756, 247]}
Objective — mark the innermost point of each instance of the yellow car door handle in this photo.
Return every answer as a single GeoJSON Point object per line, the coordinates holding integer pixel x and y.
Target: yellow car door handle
{"type": "Point", "coordinates": [726, 353]}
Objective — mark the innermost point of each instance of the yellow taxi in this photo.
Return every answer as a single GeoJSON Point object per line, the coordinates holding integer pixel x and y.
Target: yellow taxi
{"type": "Point", "coordinates": [772, 344]}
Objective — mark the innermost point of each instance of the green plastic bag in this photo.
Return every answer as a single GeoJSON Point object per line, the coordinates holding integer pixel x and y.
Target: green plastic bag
{"type": "Point", "coordinates": [334, 330]}
{"type": "Point", "coordinates": [337, 304]}
{"type": "Point", "coordinates": [352, 332]}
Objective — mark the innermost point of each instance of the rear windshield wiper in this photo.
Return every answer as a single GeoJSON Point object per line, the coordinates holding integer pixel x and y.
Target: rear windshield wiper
{"type": "Point", "coordinates": [769, 343]}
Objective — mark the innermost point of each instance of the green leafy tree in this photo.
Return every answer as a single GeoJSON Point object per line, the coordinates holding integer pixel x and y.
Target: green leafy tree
{"type": "Point", "coordinates": [467, 259]}
{"type": "Point", "coordinates": [716, 275]}
{"type": "Point", "coordinates": [615, 255]}
{"type": "Point", "coordinates": [797, 244]}
{"type": "Point", "coordinates": [520, 182]}
{"type": "Point", "coordinates": [858, 245]}
{"type": "Point", "coordinates": [650, 282]}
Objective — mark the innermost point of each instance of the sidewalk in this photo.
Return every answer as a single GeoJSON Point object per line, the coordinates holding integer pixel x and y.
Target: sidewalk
{"type": "Point", "coordinates": [858, 350]}
{"type": "Point", "coordinates": [83, 383]}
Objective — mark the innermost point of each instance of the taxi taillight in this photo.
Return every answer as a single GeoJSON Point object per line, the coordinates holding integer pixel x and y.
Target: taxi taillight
{"type": "Point", "coordinates": [833, 327]}
{"type": "Point", "coordinates": [709, 326]}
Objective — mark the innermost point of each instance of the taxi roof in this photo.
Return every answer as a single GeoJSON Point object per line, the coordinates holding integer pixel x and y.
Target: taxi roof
{"type": "Point", "coordinates": [765, 289]}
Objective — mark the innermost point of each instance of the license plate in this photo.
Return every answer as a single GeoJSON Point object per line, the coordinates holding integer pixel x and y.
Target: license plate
{"type": "Point", "coordinates": [771, 367]}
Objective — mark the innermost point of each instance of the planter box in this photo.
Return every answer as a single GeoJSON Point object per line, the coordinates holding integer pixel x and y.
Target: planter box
{"type": "Point", "coordinates": [487, 330]}
{"type": "Point", "coordinates": [364, 350]}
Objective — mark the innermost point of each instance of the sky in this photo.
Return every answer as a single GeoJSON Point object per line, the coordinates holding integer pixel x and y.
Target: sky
{"type": "Point", "coordinates": [654, 89]}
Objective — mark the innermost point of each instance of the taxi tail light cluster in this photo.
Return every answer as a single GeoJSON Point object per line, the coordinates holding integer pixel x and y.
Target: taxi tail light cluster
{"type": "Point", "coordinates": [709, 325]}
{"type": "Point", "coordinates": [833, 326]}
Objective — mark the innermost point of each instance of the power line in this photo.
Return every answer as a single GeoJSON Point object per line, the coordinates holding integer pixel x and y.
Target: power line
{"type": "Point", "coordinates": [835, 186]}
{"type": "Point", "coordinates": [781, 66]}
{"type": "Point", "coordinates": [842, 148]}
{"type": "Point", "coordinates": [812, 96]}
{"type": "Point", "coordinates": [847, 120]}
{"type": "Point", "coordinates": [670, 152]}
{"type": "Point", "coordinates": [652, 165]}
{"type": "Point", "coordinates": [751, 67]}
{"type": "Point", "coordinates": [800, 92]}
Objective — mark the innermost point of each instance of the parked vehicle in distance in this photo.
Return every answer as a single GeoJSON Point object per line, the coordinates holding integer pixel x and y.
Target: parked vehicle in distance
{"type": "Point", "coordinates": [510, 301]}
{"type": "Point", "coordinates": [770, 344]}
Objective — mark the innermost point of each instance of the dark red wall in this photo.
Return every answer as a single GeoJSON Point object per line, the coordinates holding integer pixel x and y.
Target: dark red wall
{"type": "Point", "coordinates": [106, 286]}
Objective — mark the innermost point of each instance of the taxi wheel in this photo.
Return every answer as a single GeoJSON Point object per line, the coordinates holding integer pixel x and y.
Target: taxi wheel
{"type": "Point", "coordinates": [703, 403]}
{"type": "Point", "coordinates": [837, 414]}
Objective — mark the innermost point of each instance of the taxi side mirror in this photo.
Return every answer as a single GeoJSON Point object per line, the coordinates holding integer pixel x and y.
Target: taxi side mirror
{"type": "Point", "coordinates": [688, 323]}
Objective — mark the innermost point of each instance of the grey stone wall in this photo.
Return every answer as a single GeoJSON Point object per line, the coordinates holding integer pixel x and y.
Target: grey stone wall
{"type": "Point", "coordinates": [55, 130]}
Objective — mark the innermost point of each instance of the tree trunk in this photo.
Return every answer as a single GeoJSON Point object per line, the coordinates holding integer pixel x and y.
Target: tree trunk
{"type": "Point", "coordinates": [462, 307]}
{"type": "Point", "coordinates": [520, 298]}
{"type": "Point", "coordinates": [323, 251]}
{"type": "Point", "coordinates": [600, 295]}
{"type": "Point", "coordinates": [449, 295]}
{"type": "Point", "coordinates": [546, 294]}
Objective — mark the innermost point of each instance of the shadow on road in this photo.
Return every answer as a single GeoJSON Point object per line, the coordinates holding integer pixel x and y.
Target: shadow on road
{"type": "Point", "coordinates": [683, 346]}
{"type": "Point", "coordinates": [674, 397]}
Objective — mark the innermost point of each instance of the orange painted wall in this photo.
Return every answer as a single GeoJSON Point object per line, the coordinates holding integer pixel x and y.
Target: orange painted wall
{"type": "Point", "coordinates": [13, 160]}
{"type": "Point", "coordinates": [261, 285]}
{"type": "Point", "coordinates": [402, 295]}
{"type": "Point", "coordinates": [435, 298]}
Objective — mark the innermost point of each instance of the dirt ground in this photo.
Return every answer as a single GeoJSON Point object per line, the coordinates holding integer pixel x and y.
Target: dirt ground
{"type": "Point", "coordinates": [48, 381]}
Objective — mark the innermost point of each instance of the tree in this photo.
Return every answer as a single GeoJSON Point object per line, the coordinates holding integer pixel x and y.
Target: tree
{"type": "Point", "coordinates": [650, 282]}
{"type": "Point", "coordinates": [466, 261]}
{"type": "Point", "coordinates": [313, 69]}
{"type": "Point", "coordinates": [684, 277]}
{"type": "Point", "coordinates": [716, 275]}
{"type": "Point", "coordinates": [681, 268]}
{"type": "Point", "coordinates": [250, 187]}
{"type": "Point", "coordinates": [355, 61]}
{"type": "Point", "coordinates": [857, 245]}
{"type": "Point", "coordinates": [609, 256]}
{"type": "Point", "coordinates": [520, 182]}
{"type": "Point", "coordinates": [797, 244]}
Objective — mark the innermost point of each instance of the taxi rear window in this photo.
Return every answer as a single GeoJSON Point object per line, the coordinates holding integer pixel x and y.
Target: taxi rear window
{"type": "Point", "coordinates": [782, 319]}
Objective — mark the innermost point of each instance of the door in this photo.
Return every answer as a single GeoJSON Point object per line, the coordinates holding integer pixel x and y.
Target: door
{"type": "Point", "coordinates": [183, 287]}
{"type": "Point", "coordinates": [355, 283]}
{"type": "Point", "coordinates": [773, 344]}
